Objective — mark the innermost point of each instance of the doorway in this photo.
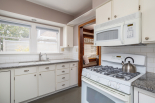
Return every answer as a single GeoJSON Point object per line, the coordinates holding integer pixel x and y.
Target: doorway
{"type": "Point", "coordinates": [85, 40]}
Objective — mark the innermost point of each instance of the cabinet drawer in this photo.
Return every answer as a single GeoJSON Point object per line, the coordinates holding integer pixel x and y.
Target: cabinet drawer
{"type": "Point", "coordinates": [62, 78]}
{"type": "Point", "coordinates": [61, 66]}
{"type": "Point", "coordinates": [62, 71]}
{"type": "Point", "coordinates": [25, 70]}
{"type": "Point", "coordinates": [73, 64]}
{"type": "Point", "coordinates": [46, 68]}
{"type": "Point", "coordinates": [62, 85]}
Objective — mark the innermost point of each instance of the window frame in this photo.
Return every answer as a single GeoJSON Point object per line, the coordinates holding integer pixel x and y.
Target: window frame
{"type": "Point", "coordinates": [32, 36]}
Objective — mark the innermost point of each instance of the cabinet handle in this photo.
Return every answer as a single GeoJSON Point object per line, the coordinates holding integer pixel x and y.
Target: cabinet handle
{"type": "Point", "coordinates": [63, 85]}
{"type": "Point", "coordinates": [115, 16]}
{"type": "Point", "coordinates": [63, 65]}
{"type": "Point", "coordinates": [68, 45]}
{"type": "Point", "coordinates": [47, 68]}
{"type": "Point", "coordinates": [35, 75]}
{"type": "Point", "coordinates": [71, 69]}
{"type": "Point", "coordinates": [39, 74]}
{"type": "Point", "coordinates": [26, 70]}
{"type": "Point", "coordinates": [63, 71]}
{"type": "Point", "coordinates": [108, 18]}
{"type": "Point", "coordinates": [73, 64]}
{"type": "Point", "coordinates": [63, 78]}
{"type": "Point", "coordinates": [146, 38]}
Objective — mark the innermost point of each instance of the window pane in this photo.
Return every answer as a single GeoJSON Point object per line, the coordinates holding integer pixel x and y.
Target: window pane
{"type": "Point", "coordinates": [47, 40]}
{"type": "Point", "coordinates": [10, 30]}
{"type": "Point", "coordinates": [13, 45]}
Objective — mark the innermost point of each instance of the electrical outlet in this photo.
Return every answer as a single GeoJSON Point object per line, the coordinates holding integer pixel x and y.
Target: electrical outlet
{"type": "Point", "coordinates": [62, 49]}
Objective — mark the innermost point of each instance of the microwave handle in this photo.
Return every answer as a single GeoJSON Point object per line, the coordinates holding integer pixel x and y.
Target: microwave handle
{"type": "Point", "coordinates": [122, 32]}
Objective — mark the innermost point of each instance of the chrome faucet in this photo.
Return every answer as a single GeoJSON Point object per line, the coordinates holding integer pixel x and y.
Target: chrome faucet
{"type": "Point", "coordinates": [40, 55]}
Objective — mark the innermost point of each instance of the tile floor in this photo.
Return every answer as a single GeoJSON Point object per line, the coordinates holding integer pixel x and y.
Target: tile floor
{"type": "Point", "coordinates": [72, 95]}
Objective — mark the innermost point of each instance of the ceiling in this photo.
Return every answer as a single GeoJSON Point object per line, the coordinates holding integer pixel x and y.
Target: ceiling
{"type": "Point", "coordinates": [90, 27]}
{"type": "Point", "coordinates": [72, 7]}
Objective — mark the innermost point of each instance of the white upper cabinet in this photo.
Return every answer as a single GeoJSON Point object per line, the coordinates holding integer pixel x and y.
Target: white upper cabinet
{"type": "Point", "coordinates": [103, 13]}
{"type": "Point", "coordinates": [148, 20]}
{"type": "Point", "coordinates": [122, 8]}
{"type": "Point", "coordinates": [68, 36]}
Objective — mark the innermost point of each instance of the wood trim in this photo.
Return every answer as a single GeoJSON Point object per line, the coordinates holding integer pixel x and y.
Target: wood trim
{"type": "Point", "coordinates": [81, 48]}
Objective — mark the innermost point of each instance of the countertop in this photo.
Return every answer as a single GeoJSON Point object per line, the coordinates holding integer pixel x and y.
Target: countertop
{"type": "Point", "coordinates": [34, 63]}
{"type": "Point", "coordinates": [146, 82]}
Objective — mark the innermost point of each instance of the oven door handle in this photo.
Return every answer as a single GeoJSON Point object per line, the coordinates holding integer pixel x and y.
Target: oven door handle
{"type": "Point", "coordinates": [111, 92]}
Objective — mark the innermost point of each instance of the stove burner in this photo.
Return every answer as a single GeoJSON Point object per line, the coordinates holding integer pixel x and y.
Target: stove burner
{"type": "Point", "coordinates": [113, 72]}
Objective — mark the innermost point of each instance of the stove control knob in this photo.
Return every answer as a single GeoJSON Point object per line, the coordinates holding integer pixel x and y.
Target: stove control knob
{"type": "Point", "coordinates": [118, 86]}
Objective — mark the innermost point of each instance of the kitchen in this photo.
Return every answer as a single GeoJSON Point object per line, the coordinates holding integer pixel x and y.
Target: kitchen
{"type": "Point", "coordinates": [31, 71]}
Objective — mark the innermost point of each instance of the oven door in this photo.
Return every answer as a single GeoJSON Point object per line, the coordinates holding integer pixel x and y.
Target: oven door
{"type": "Point", "coordinates": [97, 93]}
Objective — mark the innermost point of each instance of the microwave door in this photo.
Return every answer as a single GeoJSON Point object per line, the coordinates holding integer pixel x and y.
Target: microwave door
{"type": "Point", "coordinates": [109, 36]}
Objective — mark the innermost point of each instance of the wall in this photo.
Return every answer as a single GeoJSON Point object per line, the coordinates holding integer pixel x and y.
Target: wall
{"type": "Point", "coordinates": [30, 9]}
{"type": "Point", "coordinates": [96, 3]}
{"type": "Point", "coordinates": [71, 53]}
{"type": "Point", "coordinates": [148, 50]}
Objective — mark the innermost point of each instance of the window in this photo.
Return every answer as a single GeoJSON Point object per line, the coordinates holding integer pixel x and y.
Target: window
{"type": "Point", "coordinates": [47, 40]}
{"type": "Point", "coordinates": [14, 37]}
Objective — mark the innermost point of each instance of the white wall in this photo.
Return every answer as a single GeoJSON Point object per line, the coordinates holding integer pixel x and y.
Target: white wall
{"type": "Point", "coordinates": [71, 53]}
{"type": "Point", "coordinates": [148, 50]}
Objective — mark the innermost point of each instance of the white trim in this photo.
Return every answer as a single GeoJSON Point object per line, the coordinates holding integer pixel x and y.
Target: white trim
{"type": "Point", "coordinates": [32, 37]}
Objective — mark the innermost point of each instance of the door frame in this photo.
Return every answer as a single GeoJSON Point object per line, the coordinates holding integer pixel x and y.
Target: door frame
{"type": "Point", "coordinates": [81, 49]}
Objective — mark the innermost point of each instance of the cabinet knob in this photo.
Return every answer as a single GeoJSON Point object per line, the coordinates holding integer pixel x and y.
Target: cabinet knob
{"type": "Point", "coordinates": [63, 78]}
{"type": "Point", "coordinates": [146, 38]}
{"type": "Point", "coordinates": [63, 85]}
{"type": "Point", "coordinates": [63, 71]}
{"type": "Point", "coordinates": [68, 45]}
{"type": "Point", "coordinates": [35, 75]}
{"type": "Point", "coordinates": [26, 70]}
{"type": "Point", "coordinates": [47, 68]}
{"type": "Point", "coordinates": [115, 16]}
{"type": "Point", "coordinates": [108, 18]}
{"type": "Point", "coordinates": [39, 74]}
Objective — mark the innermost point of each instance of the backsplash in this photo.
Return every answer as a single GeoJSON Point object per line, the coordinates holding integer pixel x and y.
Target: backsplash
{"type": "Point", "coordinates": [67, 53]}
{"type": "Point", "coordinates": [148, 50]}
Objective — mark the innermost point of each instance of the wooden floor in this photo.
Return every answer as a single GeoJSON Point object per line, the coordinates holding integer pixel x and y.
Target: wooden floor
{"type": "Point", "coordinates": [72, 95]}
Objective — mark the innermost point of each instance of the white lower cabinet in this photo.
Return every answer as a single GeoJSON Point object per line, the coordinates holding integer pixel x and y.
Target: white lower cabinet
{"type": "Point", "coordinates": [73, 76]}
{"type": "Point", "coordinates": [25, 87]}
{"type": "Point", "coordinates": [46, 82]}
{"type": "Point", "coordinates": [5, 87]}
{"type": "Point", "coordinates": [142, 96]}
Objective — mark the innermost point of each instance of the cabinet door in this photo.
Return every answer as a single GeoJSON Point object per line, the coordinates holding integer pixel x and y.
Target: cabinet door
{"type": "Point", "coordinates": [124, 7]}
{"type": "Point", "coordinates": [5, 87]}
{"type": "Point", "coordinates": [25, 87]}
{"type": "Point", "coordinates": [68, 36]}
{"type": "Point", "coordinates": [146, 98]}
{"type": "Point", "coordinates": [46, 82]}
{"type": "Point", "coordinates": [73, 76]}
{"type": "Point", "coordinates": [148, 21]}
{"type": "Point", "coordinates": [103, 13]}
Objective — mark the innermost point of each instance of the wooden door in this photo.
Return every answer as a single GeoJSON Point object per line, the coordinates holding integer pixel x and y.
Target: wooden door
{"type": "Point", "coordinates": [46, 82]}
{"type": "Point", "coordinates": [124, 7]}
{"type": "Point", "coordinates": [73, 76]}
{"type": "Point", "coordinates": [148, 21]}
{"type": "Point", "coordinates": [25, 87]}
{"type": "Point", "coordinates": [5, 87]}
{"type": "Point", "coordinates": [103, 13]}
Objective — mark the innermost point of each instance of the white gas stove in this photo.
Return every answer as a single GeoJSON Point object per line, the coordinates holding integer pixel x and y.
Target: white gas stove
{"type": "Point", "coordinates": [110, 75]}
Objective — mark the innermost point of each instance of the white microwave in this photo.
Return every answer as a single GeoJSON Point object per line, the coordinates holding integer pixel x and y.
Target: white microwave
{"type": "Point", "coordinates": [121, 31]}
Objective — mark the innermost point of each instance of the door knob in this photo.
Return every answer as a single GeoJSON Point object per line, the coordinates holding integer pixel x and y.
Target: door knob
{"type": "Point", "coordinates": [146, 38]}
{"type": "Point", "coordinates": [115, 16]}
